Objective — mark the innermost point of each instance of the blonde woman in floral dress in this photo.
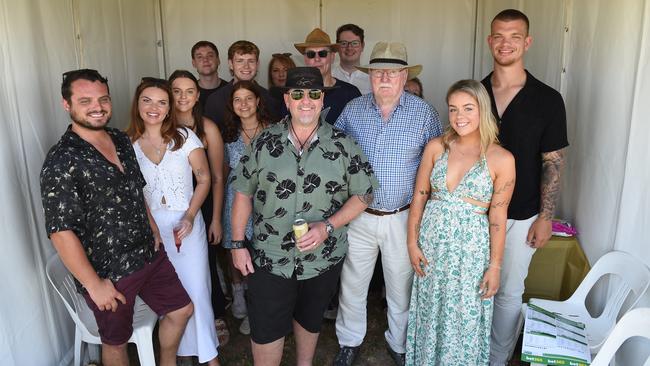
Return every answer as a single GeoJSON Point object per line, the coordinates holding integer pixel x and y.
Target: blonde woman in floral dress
{"type": "Point", "coordinates": [456, 234]}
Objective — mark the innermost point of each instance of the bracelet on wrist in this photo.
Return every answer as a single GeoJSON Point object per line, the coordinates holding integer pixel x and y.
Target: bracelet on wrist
{"type": "Point", "coordinates": [494, 266]}
{"type": "Point", "coordinates": [235, 244]}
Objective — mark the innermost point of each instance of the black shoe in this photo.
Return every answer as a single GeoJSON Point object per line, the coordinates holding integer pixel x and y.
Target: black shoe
{"type": "Point", "coordinates": [398, 358]}
{"type": "Point", "coordinates": [346, 356]}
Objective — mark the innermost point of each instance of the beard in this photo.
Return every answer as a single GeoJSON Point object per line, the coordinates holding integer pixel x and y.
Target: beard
{"type": "Point", "coordinates": [85, 123]}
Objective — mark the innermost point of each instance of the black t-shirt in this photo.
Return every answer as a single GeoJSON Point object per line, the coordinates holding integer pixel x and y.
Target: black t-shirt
{"type": "Point", "coordinates": [205, 93]}
{"type": "Point", "coordinates": [215, 107]}
{"type": "Point", "coordinates": [533, 123]}
{"type": "Point", "coordinates": [335, 99]}
{"type": "Point", "coordinates": [82, 191]}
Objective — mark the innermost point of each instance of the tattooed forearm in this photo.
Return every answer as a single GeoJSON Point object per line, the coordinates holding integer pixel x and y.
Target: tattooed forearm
{"type": "Point", "coordinates": [552, 163]}
{"type": "Point", "coordinates": [424, 192]}
{"type": "Point", "coordinates": [499, 204]}
{"type": "Point", "coordinates": [366, 198]}
{"type": "Point", "coordinates": [495, 227]}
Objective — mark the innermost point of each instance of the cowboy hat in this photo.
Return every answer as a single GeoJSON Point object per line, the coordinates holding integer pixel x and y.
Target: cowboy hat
{"type": "Point", "coordinates": [390, 55]}
{"type": "Point", "coordinates": [316, 38]}
{"type": "Point", "coordinates": [305, 77]}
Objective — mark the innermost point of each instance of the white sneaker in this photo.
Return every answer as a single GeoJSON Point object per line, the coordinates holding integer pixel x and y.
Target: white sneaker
{"type": "Point", "coordinates": [245, 327]}
{"type": "Point", "coordinates": [238, 308]}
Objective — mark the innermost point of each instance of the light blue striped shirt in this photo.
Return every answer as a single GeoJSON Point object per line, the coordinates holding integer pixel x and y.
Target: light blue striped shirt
{"type": "Point", "coordinates": [394, 148]}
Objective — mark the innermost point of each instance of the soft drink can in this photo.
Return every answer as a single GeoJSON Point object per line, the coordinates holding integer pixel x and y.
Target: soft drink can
{"type": "Point", "coordinates": [300, 228]}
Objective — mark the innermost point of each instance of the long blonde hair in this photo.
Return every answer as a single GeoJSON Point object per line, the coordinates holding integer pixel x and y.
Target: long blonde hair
{"type": "Point", "coordinates": [487, 126]}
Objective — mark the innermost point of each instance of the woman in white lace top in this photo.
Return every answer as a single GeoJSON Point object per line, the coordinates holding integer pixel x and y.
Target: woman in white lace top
{"type": "Point", "coordinates": [168, 156]}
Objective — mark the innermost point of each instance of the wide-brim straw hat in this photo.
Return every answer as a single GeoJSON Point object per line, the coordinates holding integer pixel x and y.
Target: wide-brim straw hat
{"type": "Point", "coordinates": [390, 55]}
{"type": "Point", "coordinates": [316, 38]}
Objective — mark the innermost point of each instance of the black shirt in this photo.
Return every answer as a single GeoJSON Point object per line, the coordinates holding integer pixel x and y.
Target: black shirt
{"type": "Point", "coordinates": [82, 191]}
{"type": "Point", "coordinates": [335, 99]}
{"type": "Point", "coordinates": [216, 109]}
{"type": "Point", "coordinates": [205, 93]}
{"type": "Point", "coordinates": [533, 123]}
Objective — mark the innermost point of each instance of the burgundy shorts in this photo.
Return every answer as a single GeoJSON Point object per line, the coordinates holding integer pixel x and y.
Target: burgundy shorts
{"type": "Point", "coordinates": [157, 285]}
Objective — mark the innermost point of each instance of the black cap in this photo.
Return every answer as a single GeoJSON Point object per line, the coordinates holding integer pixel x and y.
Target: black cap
{"type": "Point", "coordinates": [304, 77]}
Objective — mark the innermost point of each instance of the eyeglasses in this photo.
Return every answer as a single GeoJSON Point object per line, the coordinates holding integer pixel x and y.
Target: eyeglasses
{"type": "Point", "coordinates": [391, 73]}
{"type": "Point", "coordinates": [321, 53]}
{"type": "Point", "coordinates": [351, 44]}
{"type": "Point", "coordinates": [298, 94]}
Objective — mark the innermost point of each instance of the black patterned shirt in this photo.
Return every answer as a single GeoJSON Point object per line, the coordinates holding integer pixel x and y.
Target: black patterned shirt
{"type": "Point", "coordinates": [313, 186]}
{"type": "Point", "coordinates": [82, 191]}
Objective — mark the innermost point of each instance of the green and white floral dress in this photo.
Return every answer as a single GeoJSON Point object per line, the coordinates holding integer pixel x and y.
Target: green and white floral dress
{"type": "Point", "coordinates": [449, 324]}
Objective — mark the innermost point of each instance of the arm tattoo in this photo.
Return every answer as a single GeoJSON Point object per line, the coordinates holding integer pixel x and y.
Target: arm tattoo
{"type": "Point", "coordinates": [505, 187]}
{"type": "Point", "coordinates": [199, 173]}
{"type": "Point", "coordinates": [552, 163]}
{"type": "Point", "coordinates": [424, 192]}
{"type": "Point", "coordinates": [366, 198]}
{"type": "Point", "coordinates": [499, 204]}
{"type": "Point", "coordinates": [496, 227]}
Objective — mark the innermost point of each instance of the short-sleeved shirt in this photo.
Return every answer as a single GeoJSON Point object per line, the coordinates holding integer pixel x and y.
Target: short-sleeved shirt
{"type": "Point", "coordinates": [216, 106]}
{"type": "Point", "coordinates": [533, 123]}
{"type": "Point", "coordinates": [313, 186]}
{"type": "Point", "coordinates": [335, 100]}
{"type": "Point", "coordinates": [204, 94]}
{"type": "Point", "coordinates": [393, 147]}
{"type": "Point", "coordinates": [82, 191]}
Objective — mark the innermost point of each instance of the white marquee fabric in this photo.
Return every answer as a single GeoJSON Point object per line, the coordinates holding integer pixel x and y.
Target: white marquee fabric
{"type": "Point", "coordinates": [596, 52]}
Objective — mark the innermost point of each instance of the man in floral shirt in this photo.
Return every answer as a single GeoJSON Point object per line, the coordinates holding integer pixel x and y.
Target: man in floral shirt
{"type": "Point", "coordinates": [97, 219]}
{"type": "Point", "coordinates": [299, 168]}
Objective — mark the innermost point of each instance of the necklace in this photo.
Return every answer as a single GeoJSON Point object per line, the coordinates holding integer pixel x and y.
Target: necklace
{"type": "Point", "coordinates": [302, 144]}
{"type": "Point", "coordinates": [158, 148]}
{"type": "Point", "coordinates": [250, 138]}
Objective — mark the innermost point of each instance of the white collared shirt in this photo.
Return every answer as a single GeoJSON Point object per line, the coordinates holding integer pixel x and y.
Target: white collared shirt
{"type": "Point", "coordinates": [357, 78]}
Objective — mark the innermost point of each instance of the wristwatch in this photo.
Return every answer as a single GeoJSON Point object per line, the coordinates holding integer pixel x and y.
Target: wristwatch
{"type": "Point", "coordinates": [328, 226]}
{"type": "Point", "coordinates": [236, 244]}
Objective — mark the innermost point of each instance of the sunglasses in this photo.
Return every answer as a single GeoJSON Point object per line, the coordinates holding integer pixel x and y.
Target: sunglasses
{"type": "Point", "coordinates": [298, 94]}
{"type": "Point", "coordinates": [148, 79]}
{"type": "Point", "coordinates": [321, 53]}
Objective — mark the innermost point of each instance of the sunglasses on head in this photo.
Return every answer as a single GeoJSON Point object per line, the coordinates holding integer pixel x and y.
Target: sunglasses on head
{"type": "Point", "coordinates": [321, 53]}
{"type": "Point", "coordinates": [148, 79]}
{"type": "Point", "coordinates": [298, 94]}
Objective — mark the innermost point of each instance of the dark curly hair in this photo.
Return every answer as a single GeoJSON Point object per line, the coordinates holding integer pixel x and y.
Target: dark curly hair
{"type": "Point", "coordinates": [232, 123]}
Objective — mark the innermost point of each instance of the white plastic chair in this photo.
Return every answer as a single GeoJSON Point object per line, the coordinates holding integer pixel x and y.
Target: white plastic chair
{"type": "Point", "coordinates": [144, 319]}
{"type": "Point", "coordinates": [634, 277]}
{"type": "Point", "coordinates": [635, 323]}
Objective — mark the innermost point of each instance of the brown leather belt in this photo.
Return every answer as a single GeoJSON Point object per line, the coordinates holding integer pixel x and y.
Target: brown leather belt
{"type": "Point", "coordinates": [385, 213]}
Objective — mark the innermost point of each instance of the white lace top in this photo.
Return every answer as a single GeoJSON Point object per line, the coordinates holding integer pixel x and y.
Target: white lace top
{"type": "Point", "coordinates": [170, 179]}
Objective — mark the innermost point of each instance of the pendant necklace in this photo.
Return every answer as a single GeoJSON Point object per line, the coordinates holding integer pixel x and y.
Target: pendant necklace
{"type": "Point", "coordinates": [250, 138]}
{"type": "Point", "coordinates": [302, 144]}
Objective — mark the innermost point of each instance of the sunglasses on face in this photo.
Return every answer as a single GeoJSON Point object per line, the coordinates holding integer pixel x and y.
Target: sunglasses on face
{"type": "Point", "coordinates": [298, 94]}
{"type": "Point", "coordinates": [321, 53]}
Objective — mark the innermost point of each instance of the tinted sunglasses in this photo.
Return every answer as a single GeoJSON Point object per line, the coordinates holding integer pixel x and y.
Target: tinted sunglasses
{"type": "Point", "coordinates": [298, 94]}
{"type": "Point", "coordinates": [148, 79]}
{"type": "Point", "coordinates": [321, 53]}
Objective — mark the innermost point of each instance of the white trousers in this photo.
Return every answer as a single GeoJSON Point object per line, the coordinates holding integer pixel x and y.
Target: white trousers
{"type": "Point", "coordinates": [368, 235]}
{"type": "Point", "coordinates": [507, 301]}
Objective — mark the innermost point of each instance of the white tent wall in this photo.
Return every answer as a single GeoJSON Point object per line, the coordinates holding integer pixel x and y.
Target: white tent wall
{"type": "Point", "coordinates": [606, 88]}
